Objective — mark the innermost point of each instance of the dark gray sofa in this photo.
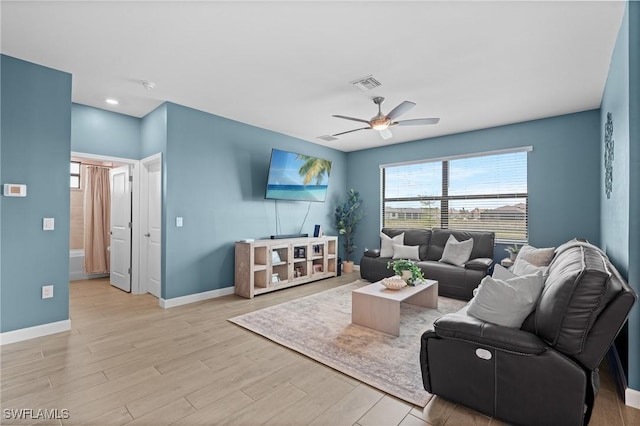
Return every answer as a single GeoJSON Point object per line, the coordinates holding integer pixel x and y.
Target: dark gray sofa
{"type": "Point", "coordinates": [453, 281]}
{"type": "Point", "coordinates": [546, 372]}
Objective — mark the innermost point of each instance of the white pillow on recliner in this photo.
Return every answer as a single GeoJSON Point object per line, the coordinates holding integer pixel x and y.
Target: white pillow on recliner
{"type": "Point", "coordinates": [386, 243]}
{"type": "Point", "coordinates": [506, 302]}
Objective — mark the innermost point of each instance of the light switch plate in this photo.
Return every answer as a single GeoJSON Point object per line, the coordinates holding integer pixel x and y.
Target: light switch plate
{"type": "Point", "coordinates": [179, 222]}
{"type": "Point", "coordinates": [48, 224]}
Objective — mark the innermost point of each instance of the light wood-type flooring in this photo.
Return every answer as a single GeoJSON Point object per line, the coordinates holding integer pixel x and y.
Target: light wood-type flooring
{"type": "Point", "coordinates": [127, 361]}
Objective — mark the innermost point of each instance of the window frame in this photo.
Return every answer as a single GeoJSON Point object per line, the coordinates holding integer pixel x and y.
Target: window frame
{"type": "Point", "coordinates": [445, 198]}
{"type": "Point", "coordinates": [78, 175]}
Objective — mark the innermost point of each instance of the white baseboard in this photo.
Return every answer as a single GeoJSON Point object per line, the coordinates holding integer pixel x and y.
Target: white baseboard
{"type": "Point", "coordinates": [33, 332]}
{"type": "Point", "coordinates": [198, 297]}
{"type": "Point", "coordinates": [632, 398]}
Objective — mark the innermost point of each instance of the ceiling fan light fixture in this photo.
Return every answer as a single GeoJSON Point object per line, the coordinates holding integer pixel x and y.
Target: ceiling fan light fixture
{"type": "Point", "coordinates": [380, 123]}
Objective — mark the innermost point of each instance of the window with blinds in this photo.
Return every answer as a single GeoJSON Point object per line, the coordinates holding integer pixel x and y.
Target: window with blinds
{"type": "Point", "coordinates": [475, 193]}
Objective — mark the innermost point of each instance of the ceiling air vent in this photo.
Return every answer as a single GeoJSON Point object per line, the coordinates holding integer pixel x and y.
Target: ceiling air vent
{"type": "Point", "coordinates": [366, 83]}
{"type": "Point", "coordinates": [328, 138]}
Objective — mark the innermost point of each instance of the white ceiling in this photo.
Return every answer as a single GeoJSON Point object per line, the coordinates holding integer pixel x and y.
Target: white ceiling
{"type": "Point", "coordinates": [287, 66]}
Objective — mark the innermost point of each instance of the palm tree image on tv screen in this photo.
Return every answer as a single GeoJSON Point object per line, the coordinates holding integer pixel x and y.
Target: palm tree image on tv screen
{"type": "Point", "coordinates": [297, 177]}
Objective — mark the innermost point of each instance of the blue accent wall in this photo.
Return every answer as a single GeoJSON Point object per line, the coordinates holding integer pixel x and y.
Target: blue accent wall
{"type": "Point", "coordinates": [621, 213]}
{"type": "Point", "coordinates": [101, 132]}
{"type": "Point", "coordinates": [35, 150]}
{"type": "Point", "coordinates": [564, 189]}
{"type": "Point", "coordinates": [153, 132]}
{"type": "Point", "coordinates": [153, 140]}
{"type": "Point", "coordinates": [615, 210]}
{"type": "Point", "coordinates": [634, 191]}
{"type": "Point", "coordinates": [215, 173]}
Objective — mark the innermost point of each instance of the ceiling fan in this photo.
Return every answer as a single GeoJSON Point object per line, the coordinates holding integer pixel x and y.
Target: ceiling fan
{"type": "Point", "coordinates": [382, 122]}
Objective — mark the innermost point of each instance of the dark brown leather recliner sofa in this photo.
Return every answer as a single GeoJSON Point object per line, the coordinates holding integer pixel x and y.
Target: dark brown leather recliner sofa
{"type": "Point", "coordinates": [546, 372]}
{"type": "Point", "coordinates": [453, 281]}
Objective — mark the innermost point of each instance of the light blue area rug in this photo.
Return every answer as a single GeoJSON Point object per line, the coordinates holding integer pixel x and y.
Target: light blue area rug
{"type": "Point", "coordinates": [319, 326]}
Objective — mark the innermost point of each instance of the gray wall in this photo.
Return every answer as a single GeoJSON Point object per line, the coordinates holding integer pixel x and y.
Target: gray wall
{"type": "Point", "coordinates": [563, 183]}
{"type": "Point", "coordinates": [35, 132]}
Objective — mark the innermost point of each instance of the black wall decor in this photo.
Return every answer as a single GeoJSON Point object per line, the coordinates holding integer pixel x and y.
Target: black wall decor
{"type": "Point", "coordinates": [608, 156]}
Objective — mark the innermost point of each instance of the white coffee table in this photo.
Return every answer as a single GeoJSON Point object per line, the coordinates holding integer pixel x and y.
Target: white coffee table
{"type": "Point", "coordinates": [377, 307]}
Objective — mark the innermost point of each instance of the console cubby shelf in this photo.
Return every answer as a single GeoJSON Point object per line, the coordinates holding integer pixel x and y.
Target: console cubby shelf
{"type": "Point", "coordinates": [268, 265]}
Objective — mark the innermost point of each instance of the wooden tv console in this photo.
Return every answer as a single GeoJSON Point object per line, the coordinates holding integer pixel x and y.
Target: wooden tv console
{"type": "Point", "coordinates": [267, 265]}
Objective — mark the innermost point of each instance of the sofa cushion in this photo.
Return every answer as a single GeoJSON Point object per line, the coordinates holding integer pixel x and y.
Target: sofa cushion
{"type": "Point", "coordinates": [578, 288]}
{"type": "Point", "coordinates": [457, 252]}
{"type": "Point", "coordinates": [506, 302]}
{"type": "Point", "coordinates": [483, 243]}
{"type": "Point", "coordinates": [405, 252]}
{"type": "Point", "coordinates": [413, 237]}
{"type": "Point", "coordinates": [387, 243]}
{"type": "Point", "coordinates": [444, 273]}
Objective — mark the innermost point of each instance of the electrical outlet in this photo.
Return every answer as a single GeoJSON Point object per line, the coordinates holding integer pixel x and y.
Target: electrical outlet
{"type": "Point", "coordinates": [47, 291]}
{"type": "Point", "coordinates": [48, 224]}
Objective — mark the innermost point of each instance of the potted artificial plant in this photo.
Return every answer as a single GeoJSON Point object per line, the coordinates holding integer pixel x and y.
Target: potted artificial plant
{"type": "Point", "coordinates": [407, 270]}
{"type": "Point", "coordinates": [513, 251]}
{"type": "Point", "coordinates": [347, 215]}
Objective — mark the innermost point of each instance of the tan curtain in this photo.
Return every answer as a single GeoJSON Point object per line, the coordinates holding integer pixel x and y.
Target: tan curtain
{"type": "Point", "coordinates": [97, 223]}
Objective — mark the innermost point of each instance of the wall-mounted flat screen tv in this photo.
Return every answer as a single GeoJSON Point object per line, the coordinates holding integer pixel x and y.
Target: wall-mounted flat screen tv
{"type": "Point", "coordinates": [297, 177]}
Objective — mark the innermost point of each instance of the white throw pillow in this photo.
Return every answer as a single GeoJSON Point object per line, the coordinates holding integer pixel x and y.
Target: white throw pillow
{"type": "Point", "coordinates": [535, 256]}
{"type": "Point", "coordinates": [499, 273]}
{"type": "Point", "coordinates": [506, 302]}
{"type": "Point", "coordinates": [502, 273]}
{"type": "Point", "coordinates": [386, 243]}
{"type": "Point", "coordinates": [522, 267]}
{"type": "Point", "coordinates": [406, 252]}
{"type": "Point", "coordinates": [457, 252]}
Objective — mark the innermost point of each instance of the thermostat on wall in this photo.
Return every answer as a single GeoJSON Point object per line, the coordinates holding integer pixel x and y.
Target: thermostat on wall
{"type": "Point", "coordinates": [15, 190]}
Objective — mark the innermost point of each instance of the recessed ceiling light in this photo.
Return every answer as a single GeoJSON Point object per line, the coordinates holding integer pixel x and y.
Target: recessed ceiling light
{"type": "Point", "coordinates": [111, 101]}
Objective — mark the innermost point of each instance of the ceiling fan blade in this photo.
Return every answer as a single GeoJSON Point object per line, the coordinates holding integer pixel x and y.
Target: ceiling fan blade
{"type": "Point", "coordinates": [349, 131]}
{"type": "Point", "coordinates": [351, 118]}
{"type": "Point", "coordinates": [418, 121]}
{"type": "Point", "coordinates": [386, 134]}
{"type": "Point", "coordinates": [400, 109]}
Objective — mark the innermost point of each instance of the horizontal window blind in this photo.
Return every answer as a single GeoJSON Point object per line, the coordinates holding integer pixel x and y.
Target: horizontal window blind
{"type": "Point", "coordinates": [481, 193]}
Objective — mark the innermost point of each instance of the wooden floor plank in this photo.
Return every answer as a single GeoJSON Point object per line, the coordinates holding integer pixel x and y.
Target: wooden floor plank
{"type": "Point", "coordinates": [387, 411]}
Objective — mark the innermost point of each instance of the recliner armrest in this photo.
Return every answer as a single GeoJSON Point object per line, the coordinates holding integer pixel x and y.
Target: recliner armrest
{"type": "Point", "coordinates": [372, 253]}
{"type": "Point", "coordinates": [465, 327]}
{"type": "Point", "coordinates": [480, 263]}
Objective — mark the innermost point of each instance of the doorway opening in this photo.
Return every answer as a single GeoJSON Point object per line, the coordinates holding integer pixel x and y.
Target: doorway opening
{"type": "Point", "coordinates": [120, 226]}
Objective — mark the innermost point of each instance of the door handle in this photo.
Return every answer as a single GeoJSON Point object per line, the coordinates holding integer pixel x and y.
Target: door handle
{"type": "Point", "coordinates": [147, 235]}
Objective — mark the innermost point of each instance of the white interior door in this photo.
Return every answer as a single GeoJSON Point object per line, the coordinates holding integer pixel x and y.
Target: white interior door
{"type": "Point", "coordinates": [154, 231]}
{"type": "Point", "coordinates": [120, 228]}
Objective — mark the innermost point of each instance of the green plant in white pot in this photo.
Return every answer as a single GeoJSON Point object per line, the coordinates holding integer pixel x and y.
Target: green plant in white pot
{"type": "Point", "coordinates": [347, 215]}
{"type": "Point", "coordinates": [407, 270]}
